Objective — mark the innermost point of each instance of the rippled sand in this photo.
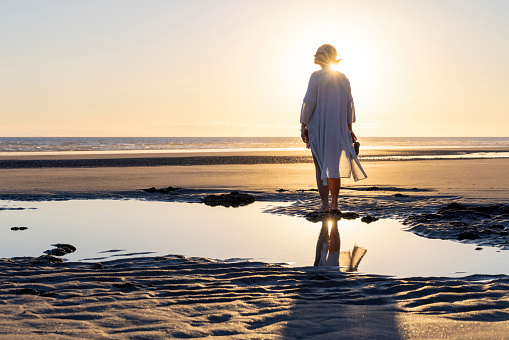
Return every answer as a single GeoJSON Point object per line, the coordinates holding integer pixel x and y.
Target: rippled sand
{"type": "Point", "coordinates": [178, 297]}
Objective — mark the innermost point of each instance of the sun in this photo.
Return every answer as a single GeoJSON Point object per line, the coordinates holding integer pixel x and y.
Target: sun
{"type": "Point", "coordinates": [335, 67]}
{"type": "Point", "coordinates": [357, 63]}
{"type": "Point", "coordinates": [360, 52]}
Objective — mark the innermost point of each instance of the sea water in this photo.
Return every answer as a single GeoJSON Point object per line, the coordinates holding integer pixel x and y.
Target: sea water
{"type": "Point", "coordinates": [103, 230]}
{"type": "Point", "coordinates": [40, 144]}
{"type": "Point", "coordinates": [402, 148]}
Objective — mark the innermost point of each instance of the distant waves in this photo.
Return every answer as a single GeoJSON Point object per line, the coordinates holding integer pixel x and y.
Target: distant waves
{"type": "Point", "coordinates": [222, 160]}
{"type": "Point", "coordinates": [173, 144]}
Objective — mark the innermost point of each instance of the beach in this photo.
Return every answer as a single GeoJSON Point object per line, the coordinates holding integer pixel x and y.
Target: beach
{"type": "Point", "coordinates": [247, 170]}
{"type": "Point", "coordinates": [174, 296]}
{"type": "Point", "coordinates": [157, 179]}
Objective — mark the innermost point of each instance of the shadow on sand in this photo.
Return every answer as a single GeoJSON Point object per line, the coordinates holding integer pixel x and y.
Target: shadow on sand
{"type": "Point", "coordinates": [330, 300]}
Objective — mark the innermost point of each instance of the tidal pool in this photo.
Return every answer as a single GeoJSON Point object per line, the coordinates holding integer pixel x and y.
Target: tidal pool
{"type": "Point", "coordinates": [102, 230]}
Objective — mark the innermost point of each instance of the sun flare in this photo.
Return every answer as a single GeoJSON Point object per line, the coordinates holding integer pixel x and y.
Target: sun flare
{"type": "Point", "coordinates": [357, 50]}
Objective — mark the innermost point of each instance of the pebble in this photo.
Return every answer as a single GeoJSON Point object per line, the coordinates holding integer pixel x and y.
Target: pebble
{"type": "Point", "coordinates": [368, 219]}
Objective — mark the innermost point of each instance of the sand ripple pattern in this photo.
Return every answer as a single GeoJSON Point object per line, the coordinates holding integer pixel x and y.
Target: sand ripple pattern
{"type": "Point", "coordinates": [173, 296]}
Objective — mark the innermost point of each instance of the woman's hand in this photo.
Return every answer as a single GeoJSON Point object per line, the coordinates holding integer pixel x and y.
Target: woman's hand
{"type": "Point", "coordinates": [354, 137]}
{"type": "Point", "coordinates": [304, 135]}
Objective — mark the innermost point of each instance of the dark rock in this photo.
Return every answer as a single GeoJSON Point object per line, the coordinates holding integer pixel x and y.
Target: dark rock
{"type": "Point", "coordinates": [234, 199]}
{"type": "Point", "coordinates": [349, 215]}
{"type": "Point", "coordinates": [489, 209]}
{"type": "Point", "coordinates": [162, 190]}
{"type": "Point", "coordinates": [56, 252]}
{"type": "Point", "coordinates": [15, 228]}
{"type": "Point", "coordinates": [302, 190]}
{"type": "Point", "coordinates": [61, 249]}
{"type": "Point", "coordinates": [273, 265]}
{"type": "Point", "coordinates": [315, 216]}
{"type": "Point", "coordinates": [48, 259]}
{"type": "Point", "coordinates": [452, 206]}
{"type": "Point", "coordinates": [467, 235]}
{"type": "Point", "coordinates": [67, 247]}
{"type": "Point", "coordinates": [400, 195]}
{"type": "Point", "coordinates": [27, 291]}
{"type": "Point", "coordinates": [68, 250]}
{"type": "Point", "coordinates": [368, 219]}
{"type": "Point", "coordinates": [373, 189]}
{"type": "Point", "coordinates": [478, 248]}
{"type": "Point", "coordinates": [281, 190]}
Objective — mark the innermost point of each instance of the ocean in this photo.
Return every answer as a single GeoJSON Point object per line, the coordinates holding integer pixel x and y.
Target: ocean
{"type": "Point", "coordinates": [401, 148]}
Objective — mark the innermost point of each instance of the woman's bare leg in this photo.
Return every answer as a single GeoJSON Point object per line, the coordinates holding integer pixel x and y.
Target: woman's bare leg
{"type": "Point", "coordinates": [322, 189]}
{"type": "Point", "coordinates": [334, 186]}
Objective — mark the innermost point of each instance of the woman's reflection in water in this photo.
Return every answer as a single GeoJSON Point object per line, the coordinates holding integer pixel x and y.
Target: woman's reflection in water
{"type": "Point", "coordinates": [328, 252]}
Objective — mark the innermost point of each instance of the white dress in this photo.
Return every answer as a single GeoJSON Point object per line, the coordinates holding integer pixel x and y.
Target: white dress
{"type": "Point", "coordinates": [327, 110]}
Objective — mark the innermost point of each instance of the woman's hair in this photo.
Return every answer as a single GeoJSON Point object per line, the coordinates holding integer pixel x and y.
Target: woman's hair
{"type": "Point", "coordinates": [326, 55]}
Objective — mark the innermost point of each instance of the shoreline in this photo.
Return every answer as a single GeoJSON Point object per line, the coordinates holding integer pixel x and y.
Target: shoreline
{"type": "Point", "coordinates": [231, 156]}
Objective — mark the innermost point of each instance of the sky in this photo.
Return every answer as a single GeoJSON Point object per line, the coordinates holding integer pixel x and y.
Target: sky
{"type": "Point", "coordinates": [240, 67]}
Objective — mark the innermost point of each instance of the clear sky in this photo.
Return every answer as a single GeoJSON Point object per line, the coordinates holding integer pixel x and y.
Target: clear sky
{"type": "Point", "coordinates": [241, 67]}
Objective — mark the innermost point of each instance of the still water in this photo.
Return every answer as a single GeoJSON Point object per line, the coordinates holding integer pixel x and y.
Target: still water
{"type": "Point", "coordinates": [102, 230]}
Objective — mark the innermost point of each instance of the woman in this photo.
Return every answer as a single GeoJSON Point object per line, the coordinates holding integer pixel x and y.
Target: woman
{"type": "Point", "coordinates": [326, 120]}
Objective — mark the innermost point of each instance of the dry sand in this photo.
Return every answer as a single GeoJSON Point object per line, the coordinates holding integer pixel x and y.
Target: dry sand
{"type": "Point", "coordinates": [156, 298]}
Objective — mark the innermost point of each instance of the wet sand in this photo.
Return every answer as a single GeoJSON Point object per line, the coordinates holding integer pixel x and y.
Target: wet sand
{"type": "Point", "coordinates": [469, 178]}
{"type": "Point", "coordinates": [177, 297]}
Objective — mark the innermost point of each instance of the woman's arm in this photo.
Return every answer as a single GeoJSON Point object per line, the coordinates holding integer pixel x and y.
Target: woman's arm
{"type": "Point", "coordinates": [354, 137]}
{"type": "Point", "coordinates": [350, 112]}
{"type": "Point", "coordinates": [308, 107]}
{"type": "Point", "coordinates": [309, 102]}
{"type": "Point", "coordinates": [350, 108]}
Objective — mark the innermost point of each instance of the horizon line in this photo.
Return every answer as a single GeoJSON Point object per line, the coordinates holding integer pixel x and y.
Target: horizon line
{"type": "Point", "coordinates": [244, 137]}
